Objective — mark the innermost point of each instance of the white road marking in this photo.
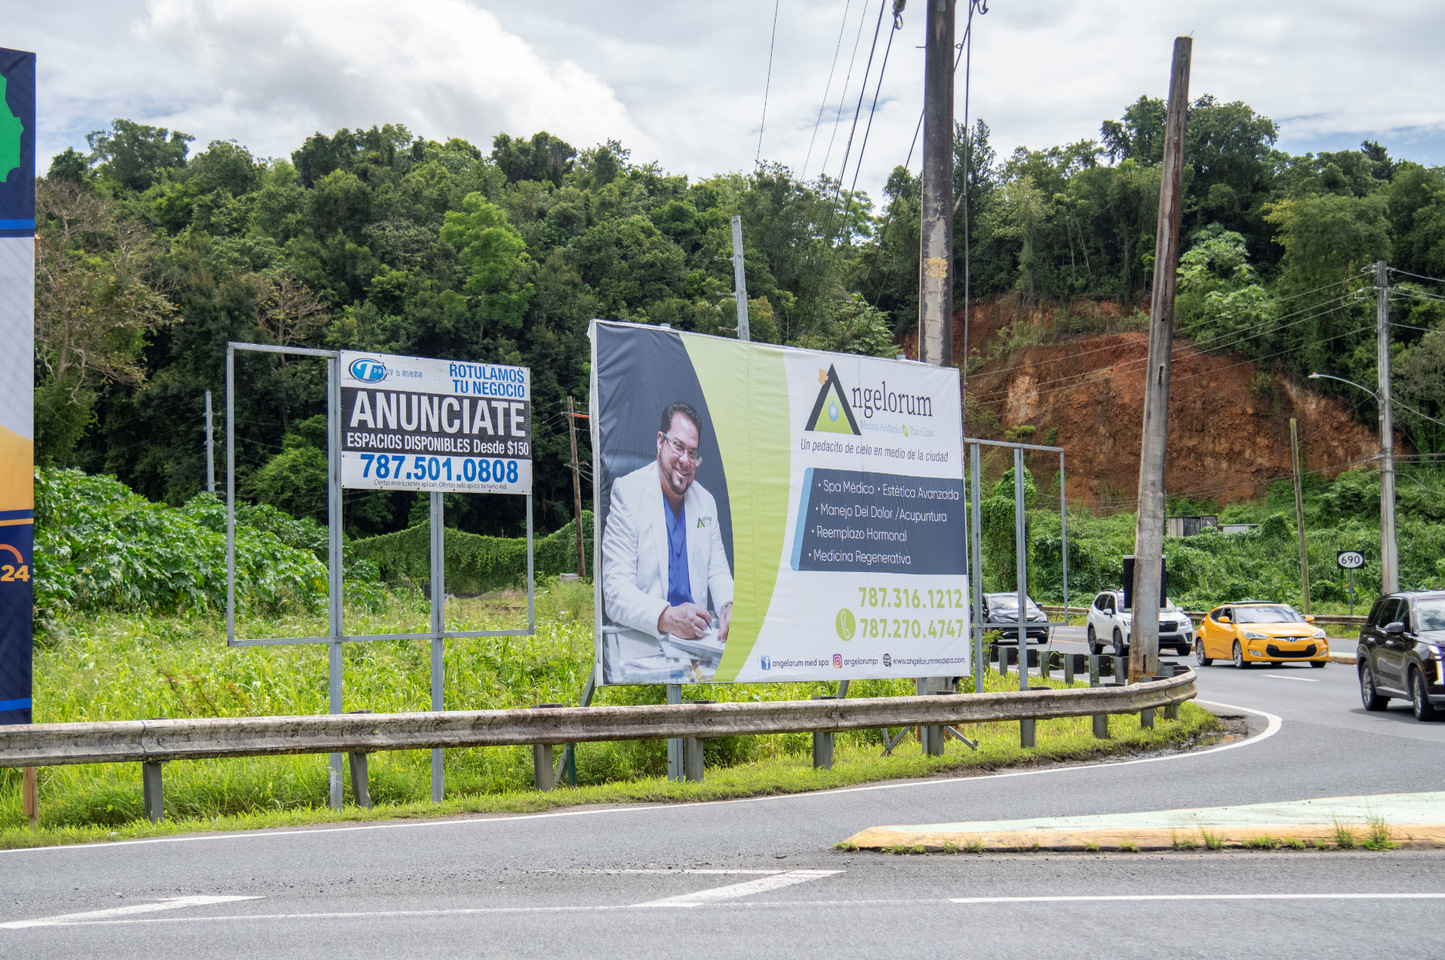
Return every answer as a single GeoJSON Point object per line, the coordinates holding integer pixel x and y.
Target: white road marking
{"type": "Point", "coordinates": [1274, 724]}
{"type": "Point", "coordinates": [92, 915]}
{"type": "Point", "coordinates": [745, 889]}
{"type": "Point", "coordinates": [1124, 898]}
{"type": "Point", "coordinates": [1276, 676]}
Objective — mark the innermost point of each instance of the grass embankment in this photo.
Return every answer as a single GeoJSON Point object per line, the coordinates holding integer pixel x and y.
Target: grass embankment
{"type": "Point", "coordinates": [120, 668]}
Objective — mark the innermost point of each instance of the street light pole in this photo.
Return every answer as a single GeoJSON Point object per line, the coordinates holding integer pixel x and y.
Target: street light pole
{"type": "Point", "coordinates": [1389, 552]}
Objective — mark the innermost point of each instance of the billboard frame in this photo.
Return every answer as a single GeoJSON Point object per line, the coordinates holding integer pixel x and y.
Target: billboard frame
{"type": "Point", "coordinates": [337, 636]}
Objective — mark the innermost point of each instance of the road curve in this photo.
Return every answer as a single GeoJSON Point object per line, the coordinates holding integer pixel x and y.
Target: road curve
{"type": "Point", "coordinates": [760, 877]}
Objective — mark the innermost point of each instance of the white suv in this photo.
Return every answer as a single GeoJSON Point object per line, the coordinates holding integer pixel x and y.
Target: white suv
{"type": "Point", "coordinates": [1109, 624]}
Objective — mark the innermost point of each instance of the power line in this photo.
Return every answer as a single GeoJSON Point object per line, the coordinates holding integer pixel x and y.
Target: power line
{"type": "Point", "coordinates": [897, 25]}
{"type": "Point", "coordinates": [1418, 276]}
{"type": "Point", "coordinates": [769, 84]}
{"type": "Point", "coordinates": [862, 92]}
{"type": "Point", "coordinates": [842, 98]}
{"type": "Point", "coordinates": [842, 28]}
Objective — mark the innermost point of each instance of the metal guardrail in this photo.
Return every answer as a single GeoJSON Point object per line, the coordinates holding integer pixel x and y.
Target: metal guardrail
{"type": "Point", "coordinates": [157, 741]}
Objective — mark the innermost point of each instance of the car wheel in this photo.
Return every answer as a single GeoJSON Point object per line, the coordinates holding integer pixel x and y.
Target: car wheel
{"type": "Point", "coordinates": [1239, 663]}
{"type": "Point", "coordinates": [1094, 645]}
{"type": "Point", "coordinates": [1182, 649]}
{"type": "Point", "coordinates": [1318, 664]}
{"type": "Point", "coordinates": [1420, 698]}
{"type": "Point", "coordinates": [1199, 656]}
{"type": "Point", "coordinates": [1372, 700]}
{"type": "Point", "coordinates": [1118, 641]}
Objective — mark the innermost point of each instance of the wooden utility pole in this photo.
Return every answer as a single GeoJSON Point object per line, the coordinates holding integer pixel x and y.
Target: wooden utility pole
{"type": "Point", "coordinates": [1299, 514]}
{"type": "Point", "coordinates": [576, 488]}
{"type": "Point", "coordinates": [935, 294]}
{"type": "Point", "coordinates": [1149, 528]}
{"type": "Point", "coordinates": [1389, 553]}
{"type": "Point", "coordinates": [740, 280]}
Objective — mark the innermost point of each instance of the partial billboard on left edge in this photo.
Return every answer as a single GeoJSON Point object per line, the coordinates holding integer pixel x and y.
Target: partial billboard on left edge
{"type": "Point", "coordinates": [17, 364]}
{"type": "Point", "coordinates": [417, 423]}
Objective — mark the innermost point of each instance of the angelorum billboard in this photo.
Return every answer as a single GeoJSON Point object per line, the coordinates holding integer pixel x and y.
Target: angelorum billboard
{"type": "Point", "coordinates": [769, 513]}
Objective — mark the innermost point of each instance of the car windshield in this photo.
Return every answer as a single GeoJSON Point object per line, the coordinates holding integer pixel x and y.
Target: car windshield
{"type": "Point", "coordinates": [1272, 614]}
{"type": "Point", "coordinates": [1008, 603]}
{"type": "Point", "coordinates": [1431, 614]}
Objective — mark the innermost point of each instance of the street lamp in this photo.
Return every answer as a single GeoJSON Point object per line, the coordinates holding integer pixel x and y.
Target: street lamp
{"type": "Point", "coordinates": [1389, 553]}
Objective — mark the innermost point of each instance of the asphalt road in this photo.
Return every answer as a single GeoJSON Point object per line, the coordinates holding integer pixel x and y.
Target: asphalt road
{"type": "Point", "coordinates": [760, 877]}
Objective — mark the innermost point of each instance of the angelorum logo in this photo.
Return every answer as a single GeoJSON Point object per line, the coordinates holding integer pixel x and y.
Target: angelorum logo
{"type": "Point", "coordinates": [368, 371]}
{"type": "Point", "coordinates": [831, 413]}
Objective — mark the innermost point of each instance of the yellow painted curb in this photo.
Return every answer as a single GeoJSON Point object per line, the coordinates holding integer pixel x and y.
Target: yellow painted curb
{"type": "Point", "coordinates": [1150, 838]}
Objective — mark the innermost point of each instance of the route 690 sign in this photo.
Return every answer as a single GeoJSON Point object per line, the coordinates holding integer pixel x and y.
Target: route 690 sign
{"type": "Point", "coordinates": [1350, 559]}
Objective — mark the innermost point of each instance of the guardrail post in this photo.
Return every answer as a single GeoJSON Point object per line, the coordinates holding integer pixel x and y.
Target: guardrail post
{"type": "Point", "coordinates": [1168, 670]}
{"type": "Point", "coordinates": [1101, 720]}
{"type": "Point", "coordinates": [692, 759]}
{"type": "Point", "coordinates": [1069, 667]}
{"type": "Point", "coordinates": [932, 736]}
{"type": "Point", "coordinates": [154, 801]}
{"type": "Point", "coordinates": [674, 746]}
{"type": "Point", "coordinates": [1046, 662]}
{"type": "Point", "coordinates": [823, 745]}
{"type": "Point", "coordinates": [30, 797]}
{"type": "Point", "coordinates": [543, 772]}
{"type": "Point", "coordinates": [360, 792]}
{"type": "Point", "coordinates": [1121, 669]}
{"type": "Point", "coordinates": [1002, 661]}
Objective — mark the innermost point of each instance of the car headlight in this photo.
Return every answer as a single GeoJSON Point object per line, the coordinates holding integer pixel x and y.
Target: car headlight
{"type": "Point", "coordinates": [1319, 634]}
{"type": "Point", "coordinates": [1251, 635]}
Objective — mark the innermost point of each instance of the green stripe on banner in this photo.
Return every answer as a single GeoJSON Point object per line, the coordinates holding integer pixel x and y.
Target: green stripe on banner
{"type": "Point", "coordinates": [746, 387]}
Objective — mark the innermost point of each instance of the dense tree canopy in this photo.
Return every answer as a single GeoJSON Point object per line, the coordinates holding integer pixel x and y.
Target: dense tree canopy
{"type": "Point", "coordinates": [153, 257]}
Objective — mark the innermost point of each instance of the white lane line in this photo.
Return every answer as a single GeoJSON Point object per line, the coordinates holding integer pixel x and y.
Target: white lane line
{"type": "Point", "coordinates": [1274, 724]}
{"type": "Point", "coordinates": [1129, 898]}
{"type": "Point", "coordinates": [175, 903]}
{"type": "Point", "coordinates": [1276, 676]}
{"type": "Point", "coordinates": [745, 889]}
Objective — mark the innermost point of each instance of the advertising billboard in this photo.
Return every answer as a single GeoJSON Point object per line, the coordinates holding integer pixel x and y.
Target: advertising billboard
{"type": "Point", "coordinates": [772, 514]}
{"type": "Point", "coordinates": [17, 379]}
{"type": "Point", "coordinates": [414, 423]}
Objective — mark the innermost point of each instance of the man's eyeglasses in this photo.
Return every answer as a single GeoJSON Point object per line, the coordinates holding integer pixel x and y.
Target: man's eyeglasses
{"type": "Point", "coordinates": [682, 450]}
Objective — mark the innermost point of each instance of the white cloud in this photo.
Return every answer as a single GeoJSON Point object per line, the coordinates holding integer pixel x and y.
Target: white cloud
{"type": "Point", "coordinates": [270, 72]}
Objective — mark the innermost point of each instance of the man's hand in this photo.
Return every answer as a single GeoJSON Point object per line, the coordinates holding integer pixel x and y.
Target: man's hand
{"type": "Point", "coordinates": [687, 621]}
{"type": "Point", "coordinates": [724, 621]}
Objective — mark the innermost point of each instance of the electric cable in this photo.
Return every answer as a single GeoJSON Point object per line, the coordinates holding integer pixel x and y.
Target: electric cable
{"type": "Point", "coordinates": [862, 92]}
{"type": "Point", "coordinates": [769, 84]}
{"type": "Point", "coordinates": [1418, 276]}
{"type": "Point", "coordinates": [842, 98]}
{"type": "Point", "coordinates": [842, 28]}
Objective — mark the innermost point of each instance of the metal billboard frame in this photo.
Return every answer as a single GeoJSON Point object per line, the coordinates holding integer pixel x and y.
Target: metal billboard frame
{"type": "Point", "coordinates": [438, 635]}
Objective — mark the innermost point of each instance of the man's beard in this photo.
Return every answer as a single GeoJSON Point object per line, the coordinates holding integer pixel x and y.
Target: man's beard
{"type": "Point", "coordinates": [672, 484]}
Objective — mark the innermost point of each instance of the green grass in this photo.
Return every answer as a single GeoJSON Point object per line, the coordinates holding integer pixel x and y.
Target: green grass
{"type": "Point", "coordinates": [117, 668]}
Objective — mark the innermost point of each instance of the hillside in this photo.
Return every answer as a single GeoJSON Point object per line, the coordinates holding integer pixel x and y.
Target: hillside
{"type": "Point", "coordinates": [1074, 373]}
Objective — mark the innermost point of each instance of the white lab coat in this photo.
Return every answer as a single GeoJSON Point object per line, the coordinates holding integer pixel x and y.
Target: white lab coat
{"type": "Point", "coordinates": [634, 551]}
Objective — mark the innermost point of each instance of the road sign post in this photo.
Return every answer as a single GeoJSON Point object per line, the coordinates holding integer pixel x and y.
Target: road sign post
{"type": "Point", "coordinates": [1350, 561]}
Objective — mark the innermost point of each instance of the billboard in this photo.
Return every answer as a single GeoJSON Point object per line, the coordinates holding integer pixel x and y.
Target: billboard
{"type": "Point", "coordinates": [772, 514]}
{"type": "Point", "coordinates": [17, 378]}
{"type": "Point", "coordinates": [414, 423]}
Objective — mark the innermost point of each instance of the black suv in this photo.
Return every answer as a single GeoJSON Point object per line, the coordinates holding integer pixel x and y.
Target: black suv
{"type": "Point", "coordinates": [1402, 652]}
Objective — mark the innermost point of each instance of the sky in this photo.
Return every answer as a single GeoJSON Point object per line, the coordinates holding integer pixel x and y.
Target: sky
{"type": "Point", "coordinates": [684, 84]}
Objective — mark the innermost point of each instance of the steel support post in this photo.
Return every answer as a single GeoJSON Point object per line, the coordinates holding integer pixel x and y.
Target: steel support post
{"type": "Point", "coordinates": [1064, 535]}
{"type": "Point", "coordinates": [976, 581]}
{"type": "Point", "coordinates": [333, 508]}
{"type": "Point", "coordinates": [542, 771]}
{"type": "Point", "coordinates": [1149, 528]}
{"type": "Point", "coordinates": [692, 759]}
{"type": "Point", "coordinates": [210, 448]}
{"type": "Point", "coordinates": [154, 798]}
{"type": "Point", "coordinates": [438, 627]}
{"type": "Point", "coordinates": [230, 494]}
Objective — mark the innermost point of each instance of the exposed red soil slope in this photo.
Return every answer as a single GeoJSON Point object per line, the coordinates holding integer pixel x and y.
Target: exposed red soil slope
{"type": "Point", "coordinates": [1228, 430]}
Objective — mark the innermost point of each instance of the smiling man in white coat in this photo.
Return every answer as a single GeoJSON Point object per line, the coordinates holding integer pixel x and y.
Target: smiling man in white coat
{"type": "Point", "coordinates": [662, 549]}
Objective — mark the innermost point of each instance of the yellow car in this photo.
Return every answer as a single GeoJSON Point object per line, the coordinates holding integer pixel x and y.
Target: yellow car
{"type": "Point", "coordinates": [1256, 632]}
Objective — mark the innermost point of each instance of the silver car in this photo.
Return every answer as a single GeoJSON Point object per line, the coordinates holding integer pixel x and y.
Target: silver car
{"type": "Point", "coordinates": [1109, 625]}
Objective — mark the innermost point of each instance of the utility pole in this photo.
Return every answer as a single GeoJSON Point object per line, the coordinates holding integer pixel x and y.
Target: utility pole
{"type": "Point", "coordinates": [740, 280]}
{"type": "Point", "coordinates": [1389, 555]}
{"type": "Point", "coordinates": [577, 486]}
{"type": "Point", "coordinates": [1149, 527]}
{"type": "Point", "coordinates": [210, 449]}
{"type": "Point", "coordinates": [1299, 514]}
{"type": "Point", "coordinates": [935, 294]}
